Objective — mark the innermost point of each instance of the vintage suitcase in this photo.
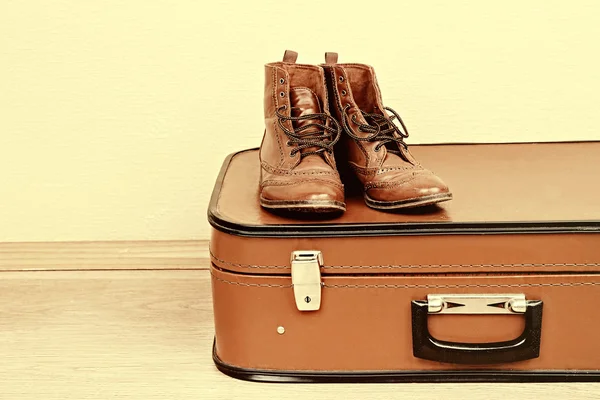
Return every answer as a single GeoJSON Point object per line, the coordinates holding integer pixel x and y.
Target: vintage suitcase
{"type": "Point", "coordinates": [499, 284]}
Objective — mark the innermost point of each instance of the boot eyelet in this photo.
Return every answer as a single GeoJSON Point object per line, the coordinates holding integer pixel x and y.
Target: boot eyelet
{"type": "Point", "coordinates": [288, 143]}
{"type": "Point", "coordinates": [282, 81]}
{"type": "Point", "coordinates": [377, 149]}
{"type": "Point", "coordinates": [343, 92]}
{"type": "Point", "coordinates": [282, 94]}
{"type": "Point", "coordinates": [341, 79]}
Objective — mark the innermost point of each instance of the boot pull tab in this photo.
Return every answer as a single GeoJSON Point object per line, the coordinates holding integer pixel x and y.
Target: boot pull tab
{"type": "Point", "coordinates": [290, 56]}
{"type": "Point", "coordinates": [331, 58]}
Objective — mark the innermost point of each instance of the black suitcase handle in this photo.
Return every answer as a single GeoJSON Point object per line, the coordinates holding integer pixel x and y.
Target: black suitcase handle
{"type": "Point", "coordinates": [525, 347]}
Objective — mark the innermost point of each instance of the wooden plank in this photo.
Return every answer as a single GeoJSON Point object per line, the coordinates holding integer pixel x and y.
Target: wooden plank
{"type": "Point", "coordinates": [142, 255]}
{"type": "Point", "coordinates": [148, 335]}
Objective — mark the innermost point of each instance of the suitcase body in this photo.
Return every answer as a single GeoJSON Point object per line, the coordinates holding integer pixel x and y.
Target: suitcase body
{"type": "Point", "coordinates": [499, 284]}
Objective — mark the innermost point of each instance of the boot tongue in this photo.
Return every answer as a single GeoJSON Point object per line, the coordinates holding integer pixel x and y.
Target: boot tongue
{"type": "Point", "coordinates": [303, 101]}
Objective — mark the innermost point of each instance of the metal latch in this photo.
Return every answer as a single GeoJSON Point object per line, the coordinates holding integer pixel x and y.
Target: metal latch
{"type": "Point", "coordinates": [476, 303]}
{"type": "Point", "coordinates": [306, 279]}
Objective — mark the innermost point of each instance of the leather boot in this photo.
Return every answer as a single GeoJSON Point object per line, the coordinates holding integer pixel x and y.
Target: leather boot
{"type": "Point", "coordinates": [373, 145]}
{"type": "Point", "coordinates": [298, 170]}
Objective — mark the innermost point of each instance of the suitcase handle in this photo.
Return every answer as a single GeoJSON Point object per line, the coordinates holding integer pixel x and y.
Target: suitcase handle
{"type": "Point", "coordinates": [525, 347]}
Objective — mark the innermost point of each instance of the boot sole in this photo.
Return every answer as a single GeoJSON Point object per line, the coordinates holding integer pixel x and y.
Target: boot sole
{"type": "Point", "coordinates": [410, 203]}
{"type": "Point", "coordinates": [307, 206]}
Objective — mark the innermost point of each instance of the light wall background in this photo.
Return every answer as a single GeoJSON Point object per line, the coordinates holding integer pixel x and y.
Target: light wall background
{"type": "Point", "coordinates": [115, 116]}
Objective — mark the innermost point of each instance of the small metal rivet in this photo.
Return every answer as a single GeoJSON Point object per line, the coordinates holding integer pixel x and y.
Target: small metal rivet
{"type": "Point", "coordinates": [282, 81]}
{"type": "Point", "coordinates": [341, 79]}
{"type": "Point", "coordinates": [280, 330]}
{"type": "Point", "coordinates": [281, 94]}
{"type": "Point", "coordinates": [343, 92]}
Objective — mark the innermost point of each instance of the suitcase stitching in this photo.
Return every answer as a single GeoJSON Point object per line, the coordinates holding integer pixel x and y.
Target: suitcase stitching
{"type": "Point", "coordinates": [572, 284]}
{"type": "Point", "coordinates": [459, 266]}
{"type": "Point", "coordinates": [416, 266]}
{"type": "Point", "coordinates": [245, 265]}
{"type": "Point", "coordinates": [566, 284]}
{"type": "Point", "coordinates": [250, 284]}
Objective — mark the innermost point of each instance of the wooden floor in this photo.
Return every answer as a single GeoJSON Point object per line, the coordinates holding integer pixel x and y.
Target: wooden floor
{"type": "Point", "coordinates": [134, 321]}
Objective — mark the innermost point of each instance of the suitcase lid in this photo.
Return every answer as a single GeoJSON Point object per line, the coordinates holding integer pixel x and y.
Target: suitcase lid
{"type": "Point", "coordinates": [497, 189]}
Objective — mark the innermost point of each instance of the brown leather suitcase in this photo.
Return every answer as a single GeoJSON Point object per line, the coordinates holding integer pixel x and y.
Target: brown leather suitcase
{"type": "Point", "coordinates": [499, 284]}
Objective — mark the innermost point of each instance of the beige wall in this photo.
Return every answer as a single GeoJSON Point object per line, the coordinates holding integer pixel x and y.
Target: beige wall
{"type": "Point", "coordinates": [116, 115]}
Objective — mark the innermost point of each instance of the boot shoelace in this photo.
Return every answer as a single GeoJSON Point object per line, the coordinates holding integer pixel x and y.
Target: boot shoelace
{"type": "Point", "coordinates": [382, 131]}
{"type": "Point", "coordinates": [325, 138]}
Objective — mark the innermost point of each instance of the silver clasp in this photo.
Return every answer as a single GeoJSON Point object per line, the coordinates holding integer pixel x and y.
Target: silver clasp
{"type": "Point", "coordinates": [476, 303]}
{"type": "Point", "coordinates": [306, 279]}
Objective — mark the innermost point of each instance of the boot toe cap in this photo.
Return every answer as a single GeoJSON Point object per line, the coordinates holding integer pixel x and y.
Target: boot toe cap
{"type": "Point", "coordinates": [421, 188]}
{"type": "Point", "coordinates": [320, 194]}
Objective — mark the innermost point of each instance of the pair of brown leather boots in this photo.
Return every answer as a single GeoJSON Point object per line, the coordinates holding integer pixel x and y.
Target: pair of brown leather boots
{"type": "Point", "coordinates": [311, 110]}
